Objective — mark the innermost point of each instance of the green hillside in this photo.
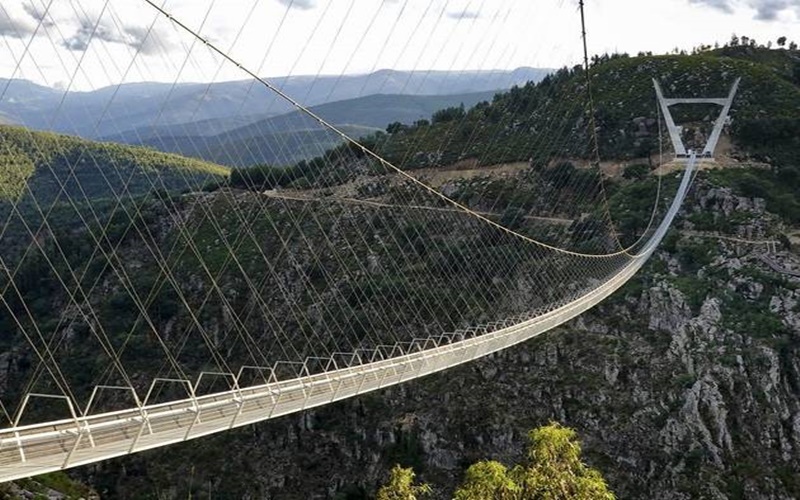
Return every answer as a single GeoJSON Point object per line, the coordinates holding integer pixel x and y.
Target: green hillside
{"type": "Point", "coordinates": [46, 165]}
{"type": "Point", "coordinates": [274, 146]}
{"type": "Point", "coordinates": [524, 121]}
{"type": "Point", "coordinates": [785, 63]}
{"type": "Point", "coordinates": [543, 123]}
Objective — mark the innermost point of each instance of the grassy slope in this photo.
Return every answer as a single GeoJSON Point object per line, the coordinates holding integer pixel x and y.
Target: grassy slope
{"type": "Point", "coordinates": [88, 170]}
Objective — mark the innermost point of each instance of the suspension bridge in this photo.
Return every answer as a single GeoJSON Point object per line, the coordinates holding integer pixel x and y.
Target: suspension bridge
{"type": "Point", "coordinates": [36, 449]}
{"type": "Point", "coordinates": [275, 302]}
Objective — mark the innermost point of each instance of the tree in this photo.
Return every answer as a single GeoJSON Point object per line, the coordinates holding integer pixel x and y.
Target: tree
{"type": "Point", "coordinates": [637, 171]}
{"type": "Point", "coordinates": [401, 486]}
{"type": "Point", "coordinates": [552, 471]}
{"type": "Point", "coordinates": [487, 479]}
{"type": "Point", "coordinates": [781, 41]}
{"type": "Point", "coordinates": [395, 127]}
{"type": "Point", "coordinates": [555, 471]}
{"type": "Point", "coordinates": [450, 114]}
{"type": "Point", "coordinates": [513, 217]}
{"type": "Point", "coordinates": [793, 46]}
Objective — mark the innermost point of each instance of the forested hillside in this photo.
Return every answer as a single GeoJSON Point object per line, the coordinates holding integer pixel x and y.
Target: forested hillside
{"type": "Point", "coordinates": [523, 121]}
{"type": "Point", "coordinates": [51, 167]}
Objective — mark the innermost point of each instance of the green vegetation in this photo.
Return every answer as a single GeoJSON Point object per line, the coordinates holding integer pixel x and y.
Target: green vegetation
{"type": "Point", "coordinates": [636, 171]}
{"type": "Point", "coordinates": [333, 168]}
{"type": "Point", "coordinates": [401, 486]}
{"type": "Point", "coordinates": [15, 170]}
{"type": "Point", "coordinates": [552, 470]}
{"type": "Point", "coordinates": [41, 486]}
{"type": "Point", "coordinates": [694, 289]}
{"type": "Point", "coordinates": [750, 313]}
{"type": "Point", "coordinates": [778, 186]}
{"type": "Point", "coordinates": [217, 242]}
{"type": "Point", "coordinates": [631, 203]}
{"type": "Point", "coordinates": [487, 479]}
{"type": "Point", "coordinates": [523, 121]}
{"type": "Point", "coordinates": [261, 177]}
{"type": "Point", "coordinates": [282, 147]}
{"type": "Point", "coordinates": [47, 163]}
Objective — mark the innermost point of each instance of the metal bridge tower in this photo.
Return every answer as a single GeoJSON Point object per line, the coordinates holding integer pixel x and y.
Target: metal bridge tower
{"type": "Point", "coordinates": [675, 131]}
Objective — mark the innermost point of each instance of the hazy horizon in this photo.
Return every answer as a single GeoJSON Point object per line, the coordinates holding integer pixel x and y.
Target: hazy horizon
{"type": "Point", "coordinates": [92, 44]}
{"type": "Point", "coordinates": [298, 77]}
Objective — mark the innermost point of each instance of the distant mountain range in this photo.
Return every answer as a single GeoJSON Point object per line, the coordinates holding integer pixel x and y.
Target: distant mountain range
{"type": "Point", "coordinates": [294, 136]}
{"type": "Point", "coordinates": [220, 107]}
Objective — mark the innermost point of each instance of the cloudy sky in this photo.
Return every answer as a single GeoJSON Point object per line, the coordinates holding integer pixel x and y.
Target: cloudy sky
{"type": "Point", "coordinates": [88, 44]}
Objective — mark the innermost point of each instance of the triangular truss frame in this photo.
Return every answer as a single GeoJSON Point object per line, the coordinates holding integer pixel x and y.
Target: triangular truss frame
{"type": "Point", "coordinates": [675, 131]}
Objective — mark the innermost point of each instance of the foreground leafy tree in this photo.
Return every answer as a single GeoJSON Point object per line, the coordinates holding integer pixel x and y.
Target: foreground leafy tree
{"type": "Point", "coordinates": [488, 479]}
{"type": "Point", "coordinates": [401, 486]}
{"type": "Point", "coordinates": [552, 471]}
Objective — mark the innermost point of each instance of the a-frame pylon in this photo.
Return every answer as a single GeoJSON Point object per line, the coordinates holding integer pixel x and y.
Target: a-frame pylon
{"type": "Point", "coordinates": [674, 131]}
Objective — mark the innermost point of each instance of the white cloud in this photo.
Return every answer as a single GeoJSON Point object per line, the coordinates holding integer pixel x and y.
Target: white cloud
{"type": "Point", "coordinates": [147, 41]}
{"type": "Point", "coordinates": [299, 4]}
{"type": "Point", "coordinates": [765, 10]}
{"type": "Point", "coordinates": [722, 5]}
{"type": "Point", "coordinates": [12, 26]}
{"type": "Point", "coordinates": [38, 14]}
{"type": "Point", "coordinates": [140, 38]}
{"type": "Point", "coordinates": [464, 14]}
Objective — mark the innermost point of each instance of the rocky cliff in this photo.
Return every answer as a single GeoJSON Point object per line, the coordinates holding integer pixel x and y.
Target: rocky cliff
{"type": "Point", "coordinates": [686, 384]}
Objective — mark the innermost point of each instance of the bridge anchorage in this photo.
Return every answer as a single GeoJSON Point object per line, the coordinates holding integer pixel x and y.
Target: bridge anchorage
{"type": "Point", "coordinates": [675, 130]}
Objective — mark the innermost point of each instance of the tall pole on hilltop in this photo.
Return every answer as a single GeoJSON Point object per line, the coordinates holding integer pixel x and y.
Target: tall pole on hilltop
{"type": "Point", "coordinates": [592, 123]}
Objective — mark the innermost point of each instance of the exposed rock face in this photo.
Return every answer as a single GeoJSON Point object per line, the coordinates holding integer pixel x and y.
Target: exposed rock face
{"type": "Point", "coordinates": [684, 385]}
